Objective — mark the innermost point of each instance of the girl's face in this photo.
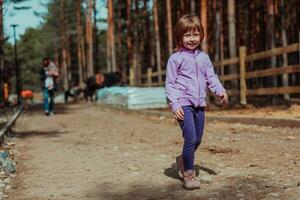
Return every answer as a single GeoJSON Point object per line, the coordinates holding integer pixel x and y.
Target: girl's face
{"type": "Point", "coordinates": [191, 39]}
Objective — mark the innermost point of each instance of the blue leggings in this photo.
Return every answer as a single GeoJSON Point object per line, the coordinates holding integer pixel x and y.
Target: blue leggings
{"type": "Point", "coordinates": [192, 128]}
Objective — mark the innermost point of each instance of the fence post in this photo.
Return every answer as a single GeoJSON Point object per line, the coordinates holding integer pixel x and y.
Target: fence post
{"type": "Point", "coordinates": [243, 86]}
{"type": "Point", "coordinates": [149, 76]}
{"type": "Point", "coordinates": [131, 76]}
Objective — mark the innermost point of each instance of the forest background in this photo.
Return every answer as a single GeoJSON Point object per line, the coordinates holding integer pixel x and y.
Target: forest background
{"type": "Point", "coordinates": [137, 35]}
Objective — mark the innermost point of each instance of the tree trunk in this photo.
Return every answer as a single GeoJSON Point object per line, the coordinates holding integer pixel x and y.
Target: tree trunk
{"type": "Point", "coordinates": [119, 52]}
{"type": "Point", "coordinates": [285, 77]}
{"type": "Point", "coordinates": [89, 39]}
{"type": "Point", "coordinates": [137, 45]}
{"type": "Point", "coordinates": [232, 44]}
{"type": "Point", "coordinates": [129, 42]}
{"type": "Point", "coordinates": [192, 6]}
{"type": "Point", "coordinates": [217, 32]}
{"type": "Point", "coordinates": [63, 46]}
{"type": "Point", "coordinates": [204, 23]}
{"type": "Point", "coordinates": [79, 36]}
{"type": "Point", "coordinates": [1, 54]}
{"type": "Point", "coordinates": [108, 50]}
{"type": "Point", "coordinates": [157, 40]}
{"type": "Point", "coordinates": [169, 26]}
{"type": "Point", "coordinates": [112, 35]}
{"type": "Point", "coordinates": [96, 38]}
{"type": "Point", "coordinates": [271, 37]}
{"type": "Point", "coordinates": [68, 58]}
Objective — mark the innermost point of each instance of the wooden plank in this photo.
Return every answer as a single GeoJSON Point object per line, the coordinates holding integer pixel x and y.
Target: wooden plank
{"type": "Point", "coordinates": [154, 74]}
{"type": "Point", "coordinates": [273, 71]}
{"type": "Point", "coordinates": [158, 84]}
{"type": "Point", "coordinates": [229, 61]}
{"type": "Point", "coordinates": [277, 90]}
{"type": "Point", "coordinates": [272, 52]}
{"type": "Point", "coordinates": [229, 77]}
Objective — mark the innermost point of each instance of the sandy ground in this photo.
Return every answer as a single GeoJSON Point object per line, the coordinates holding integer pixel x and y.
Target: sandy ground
{"type": "Point", "coordinates": [94, 153]}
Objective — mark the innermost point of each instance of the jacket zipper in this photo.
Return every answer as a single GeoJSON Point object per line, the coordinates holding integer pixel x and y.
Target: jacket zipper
{"type": "Point", "coordinates": [198, 83]}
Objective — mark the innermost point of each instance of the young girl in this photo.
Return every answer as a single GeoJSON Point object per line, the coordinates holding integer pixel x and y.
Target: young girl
{"type": "Point", "coordinates": [189, 73]}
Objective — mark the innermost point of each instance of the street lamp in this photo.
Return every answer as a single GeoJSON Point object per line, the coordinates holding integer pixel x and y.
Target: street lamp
{"type": "Point", "coordinates": [18, 86]}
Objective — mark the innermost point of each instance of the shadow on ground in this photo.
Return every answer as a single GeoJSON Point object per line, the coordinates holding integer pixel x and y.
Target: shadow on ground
{"type": "Point", "coordinates": [173, 171]}
{"type": "Point", "coordinates": [59, 109]}
{"type": "Point", "coordinates": [235, 188]}
{"type": "Point", "coordinates": [26, 134]}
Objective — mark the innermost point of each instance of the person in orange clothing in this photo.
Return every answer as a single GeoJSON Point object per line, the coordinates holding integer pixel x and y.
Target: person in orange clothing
{"type": "Point", "coordinates": [27, 95]}
{"type": "Point", "coordinates": [6, 92]}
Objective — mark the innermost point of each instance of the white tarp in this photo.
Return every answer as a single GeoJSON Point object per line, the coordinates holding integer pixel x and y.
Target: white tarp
{"type": "Point", "coordinates": [133, 97]}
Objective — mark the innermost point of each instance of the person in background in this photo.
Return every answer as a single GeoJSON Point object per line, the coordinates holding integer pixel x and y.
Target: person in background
{"type": "Point", "coordinates": [48, 74]}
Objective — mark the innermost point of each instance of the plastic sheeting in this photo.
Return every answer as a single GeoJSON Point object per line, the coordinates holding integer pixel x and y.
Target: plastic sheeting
{"type": "Point", "coordinates": [133, 97]}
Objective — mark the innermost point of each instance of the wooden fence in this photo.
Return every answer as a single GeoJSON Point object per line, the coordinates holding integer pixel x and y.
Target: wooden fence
{"type": "Point", "coordinates": [242, 61]}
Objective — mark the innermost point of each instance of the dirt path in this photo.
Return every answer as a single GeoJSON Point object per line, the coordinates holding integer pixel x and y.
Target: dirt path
{"type": "Point", "coordinates": [95, 153]}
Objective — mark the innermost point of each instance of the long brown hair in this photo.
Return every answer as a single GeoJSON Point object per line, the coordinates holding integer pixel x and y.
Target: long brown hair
{"type": "Point", "coordinates": [185, 24]}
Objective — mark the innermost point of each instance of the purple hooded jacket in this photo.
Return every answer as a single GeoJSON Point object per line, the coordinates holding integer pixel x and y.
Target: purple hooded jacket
{"type": "Point", "coordinates": [189, 73]}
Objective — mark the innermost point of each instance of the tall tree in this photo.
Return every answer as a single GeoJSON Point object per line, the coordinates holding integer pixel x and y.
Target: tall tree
{"type": "Point", "coordinates": [63, 46]}
{"type": "Point", "coordinates": [232, 41]}
{"type": "Point", "coordinates": [129, 40]}
{"type": "Point", "coordinates": [96, 38]}
{"type": "Point", "coordinates": [192, 6]}
{"type": "Point", "coordinates": [1, 53]}
{"type": "Point", "coordinates": [79, 38]}
{"type": "Point", "coordinates": [112, 35]}
{"type": "Point", "coordinates": [204, 23]}
{"type": "Point", "coordinates": [157, 39]}
{"type": "Point", "coordinates": [285, 77]}
{"type": "Point", "coordinates": [270, 36]}
{"type": "Point", "coordinates": [89, 39]}
{"type": "Point", "coordinates": [169, 26]}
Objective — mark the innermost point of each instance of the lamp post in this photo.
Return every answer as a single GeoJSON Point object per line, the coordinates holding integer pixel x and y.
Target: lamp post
{"type": "Point", "coordinates": [18, 86]}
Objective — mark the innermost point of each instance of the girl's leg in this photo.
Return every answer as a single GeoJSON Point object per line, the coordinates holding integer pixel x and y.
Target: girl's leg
{"type": "Point", "coordinates": [199, 119]}
{"type": "Point", "coordinates": [189, 135]}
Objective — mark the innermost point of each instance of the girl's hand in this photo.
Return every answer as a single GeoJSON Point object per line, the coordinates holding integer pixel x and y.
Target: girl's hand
{"type": "Point", "coordinates": [224, 98]}
{"type": "Point", "coordinates": [179, 114]}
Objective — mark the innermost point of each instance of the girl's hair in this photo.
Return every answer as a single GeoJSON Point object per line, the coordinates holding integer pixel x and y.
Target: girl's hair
{"type": "Point", "coordinates": [187, 23]}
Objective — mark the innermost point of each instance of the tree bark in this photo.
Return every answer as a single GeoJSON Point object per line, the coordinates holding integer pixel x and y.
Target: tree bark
{"type": "Point", "coordinates": [271, 37]}
{"type": "Point", "coordinates": [79, 37]}
{"type": "Point", "coordinates": [157, 40]}
{"type": "Point", "coordinates": [95, 38]}
{"type": "Point", "coordinates": [111, 35]}
{"type": "Point", "coordinates": [169, 26]}
{"type": "Point", "coordinates": [89, 39]}
{"type": "Point", "coordinates": [63, 46]}
{"type": "Point", "coordinates": [217, 33]}
{"type": "Point", "coordinates": [232, 43]}
{"type": "Point", "coordinates": [204, 23]}
{"type": "Point", "coordinates": [129, 41]}
{"type": "Point", "coordinates": [192, 6]}
{"type": "Point", "coordinates": [119, 41]}
{"type": "Point", "coordinates": [1, 54]}
{"type": "Point", "coordinates": [285, 77]}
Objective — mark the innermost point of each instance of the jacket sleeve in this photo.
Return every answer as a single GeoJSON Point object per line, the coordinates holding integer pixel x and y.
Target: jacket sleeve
{"type": "Point", "coordinates": [172, 92]}
{"type": "Point", "coordinates": [43, 74]}
{"type": "Point", "coordinates": [213, 81]}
